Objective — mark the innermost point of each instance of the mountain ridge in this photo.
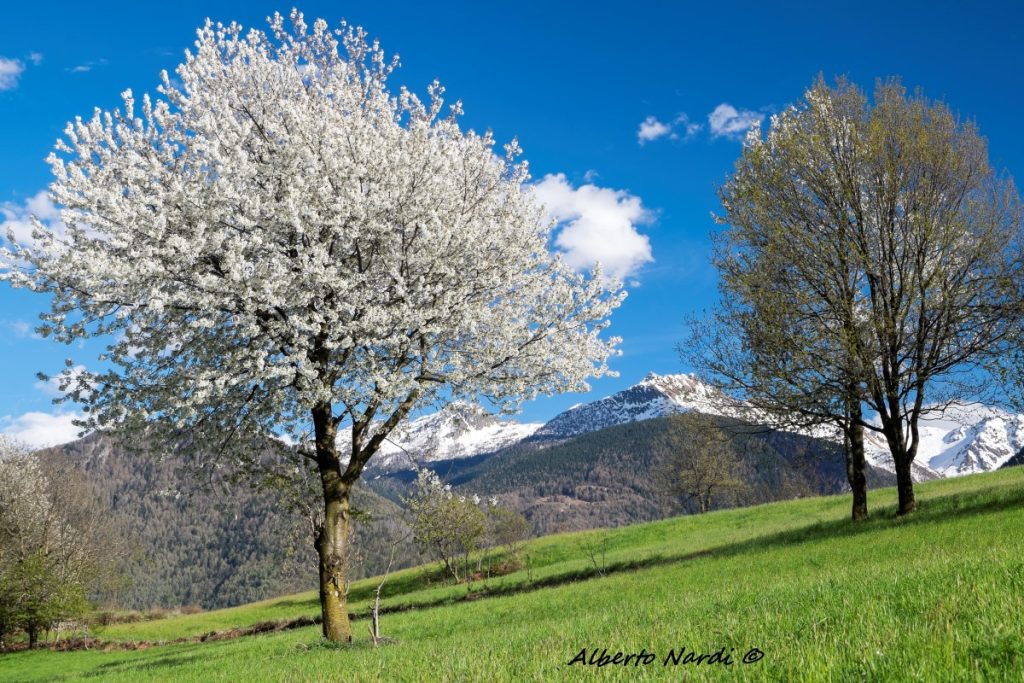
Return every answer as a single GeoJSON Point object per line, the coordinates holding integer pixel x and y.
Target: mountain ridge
{"type": "Point", "coordinates": [965, 439]}
{"type": "Point", "coordinates": [459, 430]}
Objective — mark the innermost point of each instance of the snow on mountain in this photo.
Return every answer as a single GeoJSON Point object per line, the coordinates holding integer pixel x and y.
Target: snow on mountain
{"type": "Point", "coordinates": [462, 430]}
{"type": "Point", "coordinates": [963, 439]}
{"type": "Point", "coordinates": [459, 430]}
{"type": "Point", "coordinates": [876, 453]}
{"type": "Point", "coordinates": [655, 396]}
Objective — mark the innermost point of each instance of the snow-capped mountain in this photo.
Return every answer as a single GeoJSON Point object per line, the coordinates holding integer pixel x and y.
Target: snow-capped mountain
{"type": "Point", "coordinates": [459, 430]}
{"type": "Point", "coordinates": [963, 439]}
{"type": "Point", "coordinates": [655, 396]}
{"type": "Point", "coordinates": [876, 453]}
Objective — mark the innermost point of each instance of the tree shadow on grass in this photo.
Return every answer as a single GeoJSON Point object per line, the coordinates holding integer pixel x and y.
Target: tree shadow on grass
{"type": "Point", "coordinates": [989, 500]}
{"type": "Point", "coordinates": [163, 661]}
{"type": "Point", "coordinates": [296, 602]}
{"type": "Point", "coordinates": [151, 660]}
{"type": "Point", "coordinates": [930, 510]}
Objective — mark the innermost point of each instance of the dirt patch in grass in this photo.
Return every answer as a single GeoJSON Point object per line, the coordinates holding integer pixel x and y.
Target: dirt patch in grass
{"type": "Point", "coordinates": [86, 643]}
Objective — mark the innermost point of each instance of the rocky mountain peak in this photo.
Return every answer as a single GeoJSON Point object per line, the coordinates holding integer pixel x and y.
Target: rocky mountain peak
{"type": "Point", "coordinates": [654, 396]}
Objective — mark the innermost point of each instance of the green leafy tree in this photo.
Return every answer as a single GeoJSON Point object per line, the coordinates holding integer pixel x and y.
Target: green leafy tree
{"type": "Point", "coordinates": [36, 593]}
{"type": "Point", "coordinates": [448, 525]}
{"type": "Point", "coordinates": [55, 545]}
{"type": "Point", "coordinates": [867, 267]}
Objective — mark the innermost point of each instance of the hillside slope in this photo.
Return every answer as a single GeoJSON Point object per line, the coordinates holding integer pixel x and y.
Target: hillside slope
{"type": "Point", "coordinates": [932, 597]}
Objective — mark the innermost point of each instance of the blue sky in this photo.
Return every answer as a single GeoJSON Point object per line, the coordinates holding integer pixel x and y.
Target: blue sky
{"type": "Point", "coordinates": [575, 82]}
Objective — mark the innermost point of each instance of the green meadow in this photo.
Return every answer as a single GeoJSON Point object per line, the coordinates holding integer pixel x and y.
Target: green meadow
{"type": "Point", "coordinates": [938, 596]}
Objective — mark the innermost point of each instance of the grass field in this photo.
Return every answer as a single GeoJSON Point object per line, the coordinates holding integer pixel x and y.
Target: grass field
{"type": "Point", "coordinates": [935, 597]}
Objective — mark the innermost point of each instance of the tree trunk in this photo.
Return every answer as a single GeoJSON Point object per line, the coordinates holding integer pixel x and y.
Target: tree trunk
{"type": "Point", "coordinates": [450, 563]}
{"type": "Point", "coordinates": [375, 614]}
{"type": "Point", "coordinates": [855, 467]}
{"type": "Point", "coordinates": [33, 636]}
{"type": "Point", "coordinates": [905, 486]}
{"type": "Point", "coordinates": [333, 535]}
{"type": "Point", "coordinates": [332, 549]}
{"type": "Point", "coordinates": [902, 458]}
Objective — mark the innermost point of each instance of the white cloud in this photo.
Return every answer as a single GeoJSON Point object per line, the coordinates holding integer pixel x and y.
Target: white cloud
{"type": "Point", "coordinates": [17, 218]}
{"type": "Point", "coordinates": [729, 122]}
{"type": "Point", "coordinates": [51, 387]}
{"type": "Point", "coordinates": [36, 58]}
{"type": "Point", "coordinates": [597, 224]}
{"type": "Point", "coordinates": [39, 430]}
{"type": "Point", "coordinates": [86, 67]}
{"type": "Point", "coordinates": [681, 128]}
{"type": "Point", "coordinates": [10, 72]}
{"type": "Point", "coordinates": [689, 128]}
{"type": "Point", "coordinates": [652, 129]}
{"type": "Point", "coordinates": [19, 329]}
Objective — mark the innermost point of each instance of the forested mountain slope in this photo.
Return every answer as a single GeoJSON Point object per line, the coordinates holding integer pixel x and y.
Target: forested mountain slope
{"type": "Point", "coordinates": [212, 547]}
{"type": "Point", "coordinates": [223, 546]}
{"type": "Point", "coordinates": [612, 477]}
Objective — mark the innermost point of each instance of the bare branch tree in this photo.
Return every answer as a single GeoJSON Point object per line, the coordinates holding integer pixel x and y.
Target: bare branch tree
{"type": "Point", "coordinates": [868, 264]}
{"type": "Point", "coordinates": [698, 462]}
